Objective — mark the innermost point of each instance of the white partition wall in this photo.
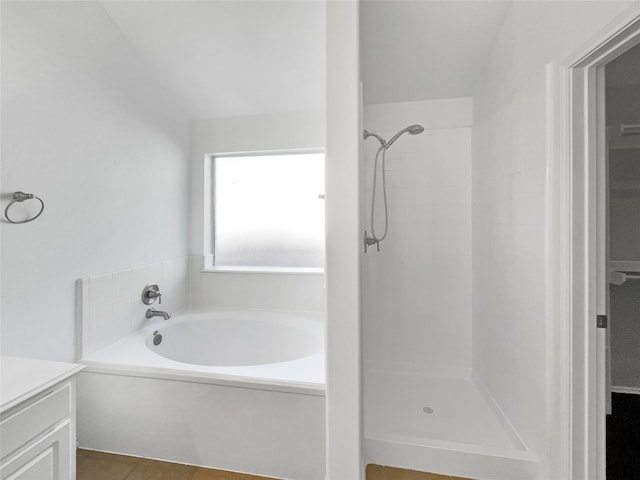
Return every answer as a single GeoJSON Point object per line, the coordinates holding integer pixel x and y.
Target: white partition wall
{"type": "Point", "coordinates": [344, 424]}
{"type": "Point", "coordinates": [518, 322]}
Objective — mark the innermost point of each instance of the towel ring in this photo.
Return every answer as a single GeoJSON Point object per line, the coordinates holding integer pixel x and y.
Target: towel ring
{"type": "Point", "coordinates": [21, 197]}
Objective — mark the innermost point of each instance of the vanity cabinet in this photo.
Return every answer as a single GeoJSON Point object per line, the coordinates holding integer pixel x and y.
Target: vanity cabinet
{"type": "Point", "coordinates": [37, 430]}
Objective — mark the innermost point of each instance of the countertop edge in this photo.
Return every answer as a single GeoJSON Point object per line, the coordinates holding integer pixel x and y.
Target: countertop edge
{"type": "Point", "coordinates": [41, 387]}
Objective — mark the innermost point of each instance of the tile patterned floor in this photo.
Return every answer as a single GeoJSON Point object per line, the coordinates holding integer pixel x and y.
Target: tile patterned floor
{"type": "Point", "coordinates": [93, 465]}
{"type": "Point", "coordinates": [378, 472]}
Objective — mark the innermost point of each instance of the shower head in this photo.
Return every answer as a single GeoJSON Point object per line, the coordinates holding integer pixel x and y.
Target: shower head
{"type": "Point", "coordinates": [413, 130]}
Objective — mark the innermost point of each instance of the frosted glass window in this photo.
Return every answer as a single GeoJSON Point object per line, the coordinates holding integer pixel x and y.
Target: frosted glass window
{"type": "Point", "coordinates": [269, 210]}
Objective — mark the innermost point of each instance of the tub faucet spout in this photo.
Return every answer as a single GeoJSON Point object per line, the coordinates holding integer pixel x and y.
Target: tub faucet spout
{"type": "Point", "coordinates": [157, 313]}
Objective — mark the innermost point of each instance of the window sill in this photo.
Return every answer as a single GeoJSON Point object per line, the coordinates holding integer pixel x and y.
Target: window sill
{"type": "Point", "coordinates": [264, 270]}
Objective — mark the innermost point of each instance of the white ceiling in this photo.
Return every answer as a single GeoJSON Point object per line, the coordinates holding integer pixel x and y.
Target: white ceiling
{"type": "Point", "coordinates": [421, 50]}
{"type": "Point", "coordinates": [238, 57]}
{"type": "Point", "coordinates": [231, 58]}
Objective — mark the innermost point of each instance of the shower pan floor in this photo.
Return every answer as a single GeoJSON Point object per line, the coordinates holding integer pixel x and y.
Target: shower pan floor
{"type": "Point", "coordinates": [440, 424]}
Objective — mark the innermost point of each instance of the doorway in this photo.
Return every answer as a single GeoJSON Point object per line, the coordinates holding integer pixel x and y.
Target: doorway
{"type": "Point", "coordinates": [597, 210]}
{"type": "Point", "coordinates": [622, 209]}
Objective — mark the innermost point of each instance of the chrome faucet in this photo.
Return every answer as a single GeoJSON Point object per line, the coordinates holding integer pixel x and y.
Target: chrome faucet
{"type": "Point", "coordinates": [157, 313]}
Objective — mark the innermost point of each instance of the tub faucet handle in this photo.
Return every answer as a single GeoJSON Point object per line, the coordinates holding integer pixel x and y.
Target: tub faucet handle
{"type": "Point", "coordinates": [151, 293]}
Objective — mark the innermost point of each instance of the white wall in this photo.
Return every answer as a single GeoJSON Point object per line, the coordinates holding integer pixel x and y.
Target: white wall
{"type": "Point", "coordinates": [271, 291]}
{"type": "Point", "coordinates": [88, 128]}
{"type": "Point", "coordinates": [510, 342]}
{"type": "Point", "coordinates": [417, 289]}
{"type": "Point", "coordinates": [282, 291]}
{"type": "Point", "coordinates": [344, 341]}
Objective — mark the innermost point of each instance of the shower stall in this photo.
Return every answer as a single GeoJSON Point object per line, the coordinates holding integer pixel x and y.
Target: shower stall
{"type": "Point", "coordinates": [452, 260]}
{"type": "Point", "coordinates": [423, 407]}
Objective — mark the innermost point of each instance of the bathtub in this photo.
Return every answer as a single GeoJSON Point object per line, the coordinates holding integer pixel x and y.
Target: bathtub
{"type": "Point", "coordinates": [233, 390]}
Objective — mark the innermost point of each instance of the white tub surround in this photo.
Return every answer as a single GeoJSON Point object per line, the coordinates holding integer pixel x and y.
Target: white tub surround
{"type": "Point", "coordinates": [37, 418]}
{"type": "Point", "coordinates": [250, 400]}
{"type": "Point", "coordinates": [248, 430]}
{"type": "Point", "coordinates": [255, 288]}
{"type": "Point", "coordinates": [110, 304]}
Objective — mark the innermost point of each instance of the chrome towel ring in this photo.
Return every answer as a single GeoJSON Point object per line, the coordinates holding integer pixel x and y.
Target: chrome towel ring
{"type": "Point", "coordinates": [21, 197]}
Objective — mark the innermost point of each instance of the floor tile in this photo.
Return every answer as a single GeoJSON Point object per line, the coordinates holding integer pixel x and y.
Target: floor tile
{"type": "Point", "coordinates": [155, 470]}
{"type": "Point", "coordinates": [374, 472]}
{"type": "Point", "coordinates": [94, 465]}
{"type": "Point", "coordinates": [212, 474]}
{"type": "Point", "coordinates": [83, 453]}
{"type": "Point", "coordinates": [100, 467]}
{"type": "Point", "coordinates": [80, 453]}
{"type": "Point", "coordinates": [392, 473]}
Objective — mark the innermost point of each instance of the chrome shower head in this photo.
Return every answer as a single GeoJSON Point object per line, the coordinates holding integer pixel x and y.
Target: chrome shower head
{"type": "Point", "coordinates": [413, 130]}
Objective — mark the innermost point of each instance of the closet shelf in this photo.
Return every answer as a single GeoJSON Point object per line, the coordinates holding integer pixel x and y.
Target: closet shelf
{"type": "Point", "coordinates": [630, 266]}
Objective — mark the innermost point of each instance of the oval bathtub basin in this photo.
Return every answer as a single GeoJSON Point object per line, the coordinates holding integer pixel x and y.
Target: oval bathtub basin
{"type": "Point", "coordinates": [235, 338]}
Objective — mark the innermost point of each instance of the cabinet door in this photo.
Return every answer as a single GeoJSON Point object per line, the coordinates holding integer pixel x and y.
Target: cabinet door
{"type": "Point", "coordinates": [50, 458]}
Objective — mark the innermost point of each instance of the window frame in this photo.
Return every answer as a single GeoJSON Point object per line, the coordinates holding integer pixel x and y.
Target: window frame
{"type": "Point", "coordinates": [209, 215]}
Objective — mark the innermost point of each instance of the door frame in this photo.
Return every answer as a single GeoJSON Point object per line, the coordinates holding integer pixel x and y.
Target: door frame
{"type": "Point", "coordinates": [576, 273]}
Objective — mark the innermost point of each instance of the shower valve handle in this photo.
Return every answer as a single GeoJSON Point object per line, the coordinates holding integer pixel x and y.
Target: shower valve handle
{"type": "Point", "coordinates": [150, 293]}
{"type": "Point", "coordinates": [158, 295]}
{"type": "Point", "coordinates": [368, 241]}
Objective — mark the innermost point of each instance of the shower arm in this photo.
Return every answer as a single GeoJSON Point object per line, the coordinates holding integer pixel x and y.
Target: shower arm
{"type": "Point", "coordinates": [366, 134]}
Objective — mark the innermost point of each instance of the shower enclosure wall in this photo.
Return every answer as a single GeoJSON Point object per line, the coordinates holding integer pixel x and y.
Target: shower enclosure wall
{"type": "Point", "coordinates": [423, 410]}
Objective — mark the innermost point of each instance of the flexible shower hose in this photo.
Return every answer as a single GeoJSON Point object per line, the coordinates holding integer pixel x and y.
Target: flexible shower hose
{"type": "Point", "coordinates": [384, 195]}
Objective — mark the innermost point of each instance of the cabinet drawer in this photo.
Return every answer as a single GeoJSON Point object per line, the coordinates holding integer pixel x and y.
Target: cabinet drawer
{"type": "Point", "coordinates": [50, 458]}
{"type": "Point", "coordinates": [34, 419]}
